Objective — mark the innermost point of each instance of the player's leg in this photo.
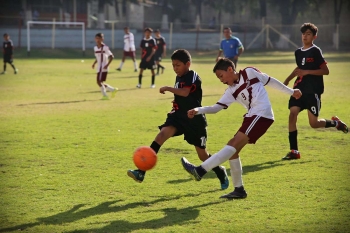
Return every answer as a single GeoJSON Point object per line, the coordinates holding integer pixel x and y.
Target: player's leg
{"type": "Point", "coordinates": [140, 74]}
{"type": "Point", "coordinates": [133, 57]}
{"type": "Point", "coordinates": [13, 66]}
{"type": "Point", "coordinates": [107, 86]}
{"type": "Point", "coordinates": [220, 171]}
{"type": "Point", "coordinates": [4, 71]}
{"type": "Point", "coordinates": [122, 62]}
{"type": "Point", "coordinates": [165, 133]}
{"type": "Point", "coordinates": [158, 66]}
{"type": "Point", "coordinates": [153, 76]}
{"type": "Point", "coordinates": [99, 81]}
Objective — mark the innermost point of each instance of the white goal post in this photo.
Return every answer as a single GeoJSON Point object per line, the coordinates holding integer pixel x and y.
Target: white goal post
{"type": "Point", "coordinates": [54, 23]}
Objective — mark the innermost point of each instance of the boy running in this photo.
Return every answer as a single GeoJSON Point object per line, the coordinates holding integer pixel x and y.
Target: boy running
{"type": "Point", "coordinates": [129, 49]}
{"type": "Point", "coordinates": [311, 66]}
{"type": "Point", "coordinates": [187, 95]}
{"type": "Point", "coordinates": [247, 88]}
{"type": "Point", "coordinates": [149, 47]}
{"type": "Point", "coordinates": [104, 57]}
{"type": "Point", "coordinates": [7, 49]}
{"type": "Point", "coordinates": [161, 50]}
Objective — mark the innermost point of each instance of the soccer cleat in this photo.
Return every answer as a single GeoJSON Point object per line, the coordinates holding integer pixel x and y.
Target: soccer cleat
{"type": "Point", "coordinates": [16, 71]}
{"type": "Point", "coordinates": [190, 168]}
{"type": "Point", "coordinates": [136, 70]}
{"type": "Point", "coordinates": [119, 69]}
{"type": "Point", "coordinates": [225, 183]}
{"type": "Point", "coordinates": [293, 154]}
{"type": "Point", "coordinates": [238, 193]}
{"type": "Point", "coordinates": [4, 72]}
{"type": "Point", "coordinates": [138, 85]}
{"type": "Point", "coordinates": [114, 92]}
{"type": "Point", "coordinates": [136, 175]}
{"type": "Point", "coordinates": [105, 98]}
{"type": "Point", "coordinates": [340, 125]}
{"type": "Point", "coordinates": [153, 86]}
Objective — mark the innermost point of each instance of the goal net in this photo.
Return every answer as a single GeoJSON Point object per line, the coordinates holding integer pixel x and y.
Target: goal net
{"type": "Point", "coordinates": [53, 33]}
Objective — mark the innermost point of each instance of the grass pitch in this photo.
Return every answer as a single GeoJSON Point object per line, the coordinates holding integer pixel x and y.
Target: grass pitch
{"type": "Point", "coordinates": [65, 153]}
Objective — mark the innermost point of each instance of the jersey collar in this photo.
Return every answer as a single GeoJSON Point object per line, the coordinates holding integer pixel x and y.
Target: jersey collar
{"type": "Point", "coordinates": [239, 77]}
{"type": "Point", "coordinates": [313, 45]}
{"type": "Point", "coordinates": [148, 39]}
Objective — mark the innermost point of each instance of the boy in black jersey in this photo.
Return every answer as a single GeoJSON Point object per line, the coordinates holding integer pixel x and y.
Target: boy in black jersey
{"type": "Point", "coordinates": [148, 46]}
{"type": "Point", "coordinates": [187, 95]}
{"type": "Point", "coordinates": [7, 48]}
{"type": "Point", "coordinates": [161, 50]}
{"type": "Point", "coordinates": [311, 66]}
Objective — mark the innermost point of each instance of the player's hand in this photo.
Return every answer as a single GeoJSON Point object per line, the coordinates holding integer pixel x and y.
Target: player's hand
{"type": "Point", "coordinates": [93, 66]}
{"type": "Point", "coordinates": [105, 67]}
{"type": "Point", "coordinates": [148, 58]}
{"type": "Point", "coordinates": [297, 93]}
{"type": "Point", "coordinates": [300, 72]}
{"type": "Point", "coordinates": [235, 57]}
{"type": "Point", "coordinates": [162, 90]}
{"type": "Point", "coordinates": [216, 60]}
{"type": "Point", "coordinates": [191, 113]}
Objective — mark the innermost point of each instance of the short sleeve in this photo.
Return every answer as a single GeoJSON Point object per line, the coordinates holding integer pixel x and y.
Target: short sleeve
{"type": "Point", "coordinates": [227, 99]}
{"type": "Point", "coordinates": [108, 52]}
{"type": "Point", "coordinates": [319, 59]}
{"type": "Point", "coordinates": [190, 80]}
{"type": "Point", "coordinates": [239, 43]}
{"type": "Point", "coordinates": [164, 41]}
{"type": "Point", "coordinates": [253, 72]}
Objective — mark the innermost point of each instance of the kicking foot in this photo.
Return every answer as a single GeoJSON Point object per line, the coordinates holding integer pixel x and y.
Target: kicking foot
{"type": "Point", "coordinates": [136, 175]}
{"type": "Point", "coordinates": [293, 154]}
{"type": "Point", "coordinates": [238, 193]}
{"type": "Point", "coordinates": [138, 85]}
{"type": "Point", "coordinates": [190, 168]}
{"type": "Point", "coordinates": [340, 125]}
{"type": "Point", "coordinates": [114, 92]}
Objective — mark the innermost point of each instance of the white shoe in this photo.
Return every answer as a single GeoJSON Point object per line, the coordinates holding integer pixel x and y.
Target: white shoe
{"type": "Point", "coordinates": [153, 86]}
{"type": "Point", "coordinates": [138, 86]}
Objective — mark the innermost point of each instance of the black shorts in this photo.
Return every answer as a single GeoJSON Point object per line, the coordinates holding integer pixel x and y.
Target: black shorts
{"type": "Point", "coordinates": [311, 102]}
{"type": "Point", "coordinates": [148, 64]}
{"type": "Point", "coordinates": [8, 59]}
{"type": "Point", "coordinates": [158, 56]}
{"type": "Point", "coordinates": [194, 130]}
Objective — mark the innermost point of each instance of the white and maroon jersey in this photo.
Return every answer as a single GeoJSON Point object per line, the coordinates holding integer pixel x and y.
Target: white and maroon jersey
{"type": "Point", "coordinates": [102, 55]}
{"type": "Point", "coordinates": [129, 42]}
{"type": "Point", "coordinates": [249, 91]}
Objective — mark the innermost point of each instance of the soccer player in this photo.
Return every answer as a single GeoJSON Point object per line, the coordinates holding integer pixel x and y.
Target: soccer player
{"type": "Point", "coordinates": [187, 95]}
{"type": "Point", "coordinates": [149, 47]}
{"type": "Point", "coordinates": [311, 66]}
{"type": "Point", "coordinates": [231, 46]}
{"type": "Point", "coordinates": [129, 48]}
{"type": "Point", "coordinates": [247, 88]}
{"type": "Point", "coordinates": [104, 57]}
{"type": "Point", "coordinates": [161, 50]}
{"type": "Point", "coordinates": [7, 48]}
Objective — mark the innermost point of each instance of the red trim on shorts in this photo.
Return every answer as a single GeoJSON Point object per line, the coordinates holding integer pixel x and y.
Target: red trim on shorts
{"type": "Point", "coordinates": [224, 105]}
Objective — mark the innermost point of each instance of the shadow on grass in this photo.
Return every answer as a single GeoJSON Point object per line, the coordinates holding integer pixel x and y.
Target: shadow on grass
{"type": "Point", "coordinates": [170, 98]}
{"type": "Point", "coordinates": [93, 92]}
{"type": "Point", "coordinates": [172, 216]}
{"type": "Point", "coordinates": [58, 102]}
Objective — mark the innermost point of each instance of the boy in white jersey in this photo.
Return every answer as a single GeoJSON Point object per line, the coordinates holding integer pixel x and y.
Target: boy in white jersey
{"type": "Point", "coordinates": [104, 57]}
{"type": "Point", "coordinates": [129, 49]}
{"type": "Point", "coordinates": [246, 88]}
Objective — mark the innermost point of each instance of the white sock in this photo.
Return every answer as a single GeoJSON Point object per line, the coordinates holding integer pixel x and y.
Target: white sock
{"type": "Point", "coordinates": [223, 155]}
{"type": "Point", "coordinates": [121, 65]}
{"type": "Point", "coordinates": [135, 65]}
{"type": "Point", "coordinates": [236, 172]}
{"type": "Point", "coordinates": [103, 90]}
{"type": "Point", "coordinates": [109, 88]}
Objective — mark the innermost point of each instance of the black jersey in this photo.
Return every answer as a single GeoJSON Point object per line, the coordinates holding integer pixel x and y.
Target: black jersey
{"type": "Point", "coordinates": [7, 47]}
{"type": "Point", "coordinates": [160, 44]}
{"type": "Point", "coordinates": [147, 45]}
{"type": "Point", "coordinates": [182, 104]}
{"type": "Point", "coordinates": [309, 59]}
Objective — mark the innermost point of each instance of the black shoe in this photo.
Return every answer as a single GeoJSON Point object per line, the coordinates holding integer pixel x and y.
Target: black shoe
{"type": "Point", "coordinates": [137, 175]}
{"type": "Point", "coordinates": [236, 194]}
{"type": "Point", "coordinates": [293, 154]}
{"type": "Point", "coordinates": [190, 168]}
{"type": "Point", "coordinates": [119, 69]}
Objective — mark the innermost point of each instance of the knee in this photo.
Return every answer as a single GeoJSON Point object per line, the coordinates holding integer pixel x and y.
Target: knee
{"type": "Point", "coordinates": [293, 115]}
{"type": "Point", "coordinates": [99, 83]}
{"type": "Point", "coordinates": [313, 124]}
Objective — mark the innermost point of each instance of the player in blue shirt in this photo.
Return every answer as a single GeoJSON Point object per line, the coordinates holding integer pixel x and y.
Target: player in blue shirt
{"type": "Point", "coordinates": [231, 46]}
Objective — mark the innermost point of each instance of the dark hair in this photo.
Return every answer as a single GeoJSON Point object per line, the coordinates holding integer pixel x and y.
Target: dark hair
{"type": "Point", "coordinates": [223, 64]}
{"type": "Point", "coordinates": [157, 30]}
{"type": "Point", "coordinates": [148, 29]}
{"type": "Point", "coordinates": [310, 26]}
{"type": "Point", "coordinates": [126, 27]}
{"type": "Point", "coordinates": [99, 35]}
{"type": "Point", "coordinates": [182, 55]}
{"type": "Point", "coordinates": [227, 28]}
{"type": "Point", "coordinates": [5, 34]}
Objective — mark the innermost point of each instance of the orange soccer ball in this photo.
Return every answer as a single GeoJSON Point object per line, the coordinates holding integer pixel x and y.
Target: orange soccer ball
{"type": "Point", "coordinates": [145, 158]}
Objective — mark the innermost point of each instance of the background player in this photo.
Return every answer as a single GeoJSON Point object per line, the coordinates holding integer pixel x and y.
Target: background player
{"type": "Point", "coordinates": [311, 66]}
{"type": "Point", "coordinates": [7, 49]}
{"type": "Point", "coordinates": [231, 46]}
{"type": "Point", "coordinates": [161, 50]}
{"type": "Point", "coordinates": [246, 88]}
{"type": "Point", "coordinates": [104, 57]}
{"type": "Point", "coordinates": [129, 48]}
{"type": "Point", "coordinates": [187, 95]}
{"type": "Point", "coordinates": [149, 47]}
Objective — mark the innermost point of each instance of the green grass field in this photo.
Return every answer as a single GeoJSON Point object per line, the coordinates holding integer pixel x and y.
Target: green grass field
{"type": "Point", "coordinates": [65, 153]}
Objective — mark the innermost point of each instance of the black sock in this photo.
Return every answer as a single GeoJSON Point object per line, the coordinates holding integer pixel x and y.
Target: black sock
{"type": "Point", "coordinates": [13, 66]}
{"type": "Point", "coordinates": [155, 146]}
{"type": "Point", "coordinates": [153, 78]}
{"type": "Point", "coordinates": [4, 67]}
{"type": "Point", "coordinates": [219, 173]}
{"type": "Point", "coordinates": [160, 66]}
{"type": "Point", "coordinates": [140, 79]}
{"type": "Point", "coordinates": [293, 142]}
{"type": "Point", "coordinates": [201, 171]}
{"type": "Point", "coordinates": [158, 69]}
{"type": "Point", "coordinates": [330, 124]}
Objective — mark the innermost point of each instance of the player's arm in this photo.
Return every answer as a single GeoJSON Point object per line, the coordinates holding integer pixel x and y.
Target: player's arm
{"type": "Point", "coordinates": [274, 83]}
{"type": "Point", "coordinates": [290, 77]}
{"type": "Point", "coordinates": [93, 64]}
{"type": "Point", "coordinates": [110, 59]}
{"type": "Point", "coordinates": [205, 110]}
{"type": "Point", "coordinates": [322, 71]}
{"type": "Point", "coordinates": [154, 49]}
{"type": "Point", "coordinates": [164, 50]}
{"type": "Point", "coordinates": [219, 54]}
{"type": "Point", "coordinates": [185, 91]}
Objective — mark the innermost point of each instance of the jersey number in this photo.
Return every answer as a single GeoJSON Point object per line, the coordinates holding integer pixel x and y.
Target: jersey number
{"type": "Point", "coordinates": [203, 141]}
{"type": "Point", "coordinates": [243, 96]}
{"type": "Point", "coordinates": [313, 109]}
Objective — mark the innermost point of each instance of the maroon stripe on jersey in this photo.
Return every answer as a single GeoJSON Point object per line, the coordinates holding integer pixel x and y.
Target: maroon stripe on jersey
{"type": "Point", "coordinates": [101, 59]}
{"type": "Point", "coordinates": [224, 105]}
{"type": "Point", "coordinates": [245, 86]}
{"type": "Point", "coordinates": [245, 76]}
{"type": "Point", "coordinates": [267, 81]}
